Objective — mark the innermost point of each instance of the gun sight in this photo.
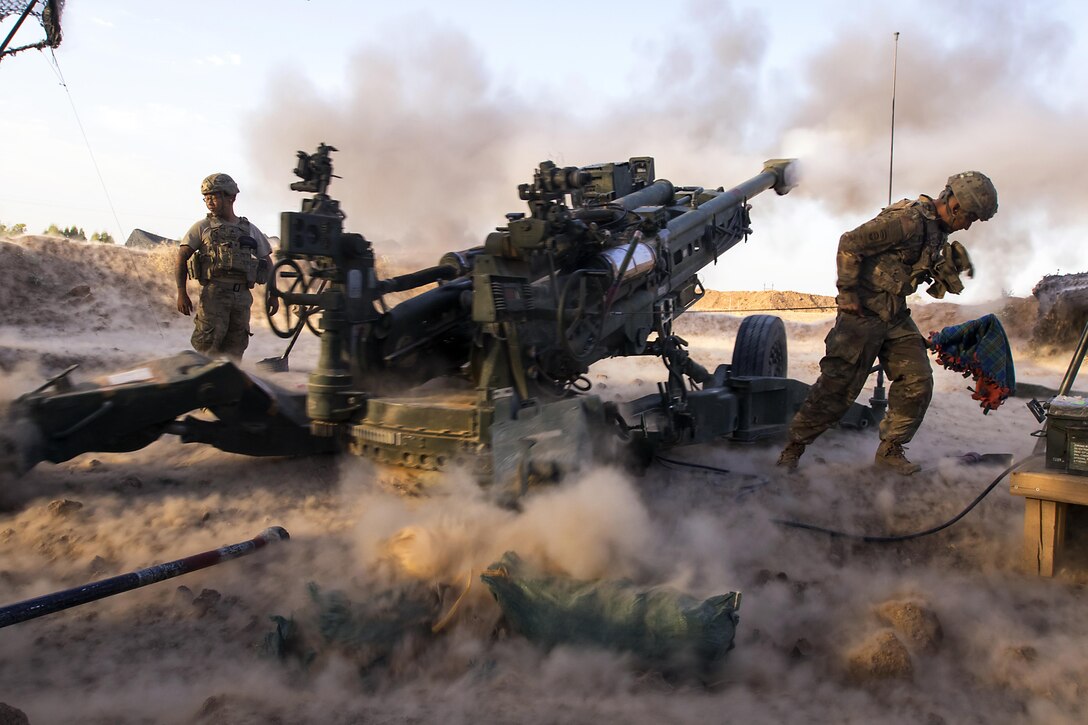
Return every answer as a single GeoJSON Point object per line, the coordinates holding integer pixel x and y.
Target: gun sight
{"type": "Point", "coordinates": [315, 170]}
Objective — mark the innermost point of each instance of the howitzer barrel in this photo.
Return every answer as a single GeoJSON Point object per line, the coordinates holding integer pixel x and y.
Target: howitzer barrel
{"type": "Point", "coordinates": [50, 603]}
{"type": "Point", "coordinates": [412, 280]}
{"type": "Point", "coordinates": [777, 174]}
{"type": "Point", "coordinates": [658, 193]}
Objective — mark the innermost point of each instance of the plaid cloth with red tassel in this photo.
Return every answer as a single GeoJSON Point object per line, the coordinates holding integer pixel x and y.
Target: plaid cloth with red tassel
{"type": "Point", "coordinates": [978, 348]}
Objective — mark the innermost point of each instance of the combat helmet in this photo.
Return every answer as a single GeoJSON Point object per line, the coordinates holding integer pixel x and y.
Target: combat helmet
{"type": "Point", "coordinates": [219, 183]}
{"type": "Point", "coordinates": [976, 193]}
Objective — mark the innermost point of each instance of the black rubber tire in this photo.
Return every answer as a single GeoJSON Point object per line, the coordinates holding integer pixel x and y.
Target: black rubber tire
{"type": "Point", "coordinates": [760, 348]}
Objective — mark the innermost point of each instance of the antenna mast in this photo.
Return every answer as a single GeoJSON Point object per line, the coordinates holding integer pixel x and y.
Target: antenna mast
{"type": "Point", "coordinates": [879, 401]}
{"type": "Point", "coordinates": [891, 150]}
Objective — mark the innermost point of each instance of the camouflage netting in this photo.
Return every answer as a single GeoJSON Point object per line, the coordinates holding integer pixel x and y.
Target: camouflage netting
{"type": "Point", "coordinates": [660, 626]}
{"type": "Point", "coordinates": [47, 12]}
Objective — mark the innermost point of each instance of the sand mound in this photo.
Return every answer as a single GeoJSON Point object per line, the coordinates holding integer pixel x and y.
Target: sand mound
{"type": "Point", "coordinates": [68, 302]}
{"type": "Point", "coordinates": [58, 284]}
{"type": "Point", "coordinates": [765, 301]}
{"type": "Point", "coordinates": [1063, 309]}
{"type": "Point", "coordinates": [1017, 314]}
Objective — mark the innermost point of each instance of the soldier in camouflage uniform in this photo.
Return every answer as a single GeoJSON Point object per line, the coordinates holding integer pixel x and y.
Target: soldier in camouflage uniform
{"type": "Point", "coordinates": [879, 264]}
{"type": "Point", "coordinates": [228, 255]}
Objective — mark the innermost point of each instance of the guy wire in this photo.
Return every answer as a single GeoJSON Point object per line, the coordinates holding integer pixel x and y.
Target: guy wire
{"type": "Point", "coordinates": [105, 190]}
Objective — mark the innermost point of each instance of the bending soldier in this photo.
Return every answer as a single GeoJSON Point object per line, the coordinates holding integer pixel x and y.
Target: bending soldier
{"type": "Point", "coordinates": [879, 264]}
{"type": "Point", "coordinates": [228, 255]}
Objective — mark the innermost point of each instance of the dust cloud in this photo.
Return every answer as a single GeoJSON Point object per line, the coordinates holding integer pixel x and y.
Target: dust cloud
{"type": "Point", "coordinates": [826, 630]}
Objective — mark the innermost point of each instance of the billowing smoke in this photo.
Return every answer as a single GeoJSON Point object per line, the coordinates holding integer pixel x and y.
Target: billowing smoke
{"type": "Point", "coordinates": [986, 98]}
{"type": "Point", "coordinates": [433, 143]}
{"type": "Point", "coordinates": [425, 139]}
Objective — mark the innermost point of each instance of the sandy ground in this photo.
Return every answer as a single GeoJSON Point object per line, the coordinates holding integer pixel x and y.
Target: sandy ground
{"type": "Point", "coordinates": [944, 629]}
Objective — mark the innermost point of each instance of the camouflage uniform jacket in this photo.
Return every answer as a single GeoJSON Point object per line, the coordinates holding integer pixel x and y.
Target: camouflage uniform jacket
{"type": "Point", "coordinates": [878, 263]}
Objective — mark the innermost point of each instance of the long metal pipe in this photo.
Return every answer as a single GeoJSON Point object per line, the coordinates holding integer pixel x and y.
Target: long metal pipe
{"type": "Point", "coordinates": [658, 193]}
{"type": "Point", "coordinates": [50, 603]}
{"type": "Point", "coordinates": [724, 201]}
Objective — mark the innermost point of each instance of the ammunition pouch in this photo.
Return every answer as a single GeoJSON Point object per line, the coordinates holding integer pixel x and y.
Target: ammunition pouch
{"type": "Point", "coordinates": [952, 261]}
{"type": "Point", "coordinates": [197, 266]}
{"type": "Point", "coordinates": [890, 275]}
{"type": "Point", "coordinates": [942, 266]}
{"type": "Point", "coordinates": [228, 255]}
{"type": "Point", "coordinates": [264, 270]}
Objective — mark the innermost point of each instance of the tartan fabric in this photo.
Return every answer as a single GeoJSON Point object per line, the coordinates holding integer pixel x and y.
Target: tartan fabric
{"type": "Point", "coordinates": [979, 348]}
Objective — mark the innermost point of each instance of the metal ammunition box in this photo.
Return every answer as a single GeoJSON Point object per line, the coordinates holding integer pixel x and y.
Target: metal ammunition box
{"type": "Point", "coordinates": [1067, 434]}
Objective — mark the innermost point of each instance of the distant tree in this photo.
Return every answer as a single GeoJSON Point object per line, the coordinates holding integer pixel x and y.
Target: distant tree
{"type": "Point", "coordinates": [103, 237]}
{"type": "Point", "coordinates": [18, 229]}
{"type": "Point", "coordinates": [52, 231]}
{"type": "Point", "coordinates": [3, 228]}
{"type": "Point", "coordinates": [72, 232]}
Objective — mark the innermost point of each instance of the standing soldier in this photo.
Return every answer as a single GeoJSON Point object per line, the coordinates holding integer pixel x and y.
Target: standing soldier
{"type": "Point", "coordinates": [228, 255]}
{"type": "Point", "coordinates": [879, 264]}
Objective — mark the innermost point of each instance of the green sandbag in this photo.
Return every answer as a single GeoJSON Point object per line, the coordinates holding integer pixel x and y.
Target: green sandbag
{"type": "Point", "coordinates": [658, 624]}
{"type": "Point", "coordinates": [366, 631]}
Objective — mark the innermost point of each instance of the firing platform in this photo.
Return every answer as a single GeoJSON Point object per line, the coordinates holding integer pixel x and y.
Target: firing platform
{"type": "Point", "coordinates": [1047, 496]}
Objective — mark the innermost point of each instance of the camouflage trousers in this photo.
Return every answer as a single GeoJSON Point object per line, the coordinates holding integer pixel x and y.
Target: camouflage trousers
{"type": "Point", "coordinates": [853, 345]}
{"type": "Point", "coordinates": [222, 320]}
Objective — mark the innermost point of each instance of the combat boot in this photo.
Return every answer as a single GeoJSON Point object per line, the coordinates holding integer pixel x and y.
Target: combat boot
{"type": "Point", "coordinates": [790, 455]}
{"type": "Point", "coordinates": [890, 455]}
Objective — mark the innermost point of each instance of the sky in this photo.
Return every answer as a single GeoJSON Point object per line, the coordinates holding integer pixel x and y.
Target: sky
{"type": "Point", "coordinates": [440, 109]}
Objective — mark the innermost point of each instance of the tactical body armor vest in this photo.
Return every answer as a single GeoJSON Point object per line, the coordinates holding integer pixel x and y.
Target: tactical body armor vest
{"type": "Point", "coordinates": [229, 255]}
{"type": "Point", "coordinates": [894, 272]}
{"type": "Point", "coordinates": [885, 279]}
{"type": "Point", "coordinates": [939, 261]}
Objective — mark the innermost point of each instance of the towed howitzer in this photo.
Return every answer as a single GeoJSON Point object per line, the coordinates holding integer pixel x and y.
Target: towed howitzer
{"type": "Point", "coordinates": [68, 598]}
{"type": "Point", "coordinates": [485, 369]}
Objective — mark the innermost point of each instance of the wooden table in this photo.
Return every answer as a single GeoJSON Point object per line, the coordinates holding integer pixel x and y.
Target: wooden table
{"type": "Point", "coordinates": [1047, 495]}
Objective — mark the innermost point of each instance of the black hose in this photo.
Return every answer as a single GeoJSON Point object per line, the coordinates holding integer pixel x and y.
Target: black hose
{"type": "Point", "coordinates": [688, 464]}
{"type": "Point", "coordinates": [917, 534]}
{"type": "Point", "coordinates": [742, 491]}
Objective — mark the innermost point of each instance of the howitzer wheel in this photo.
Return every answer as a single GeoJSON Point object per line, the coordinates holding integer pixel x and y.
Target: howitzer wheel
{"type": "Point", "coordinates": [287, 278]}
{"type": "Point", "coordinates": [760, 348]}
{"type": "Point", "coordinates": [580, 314]}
